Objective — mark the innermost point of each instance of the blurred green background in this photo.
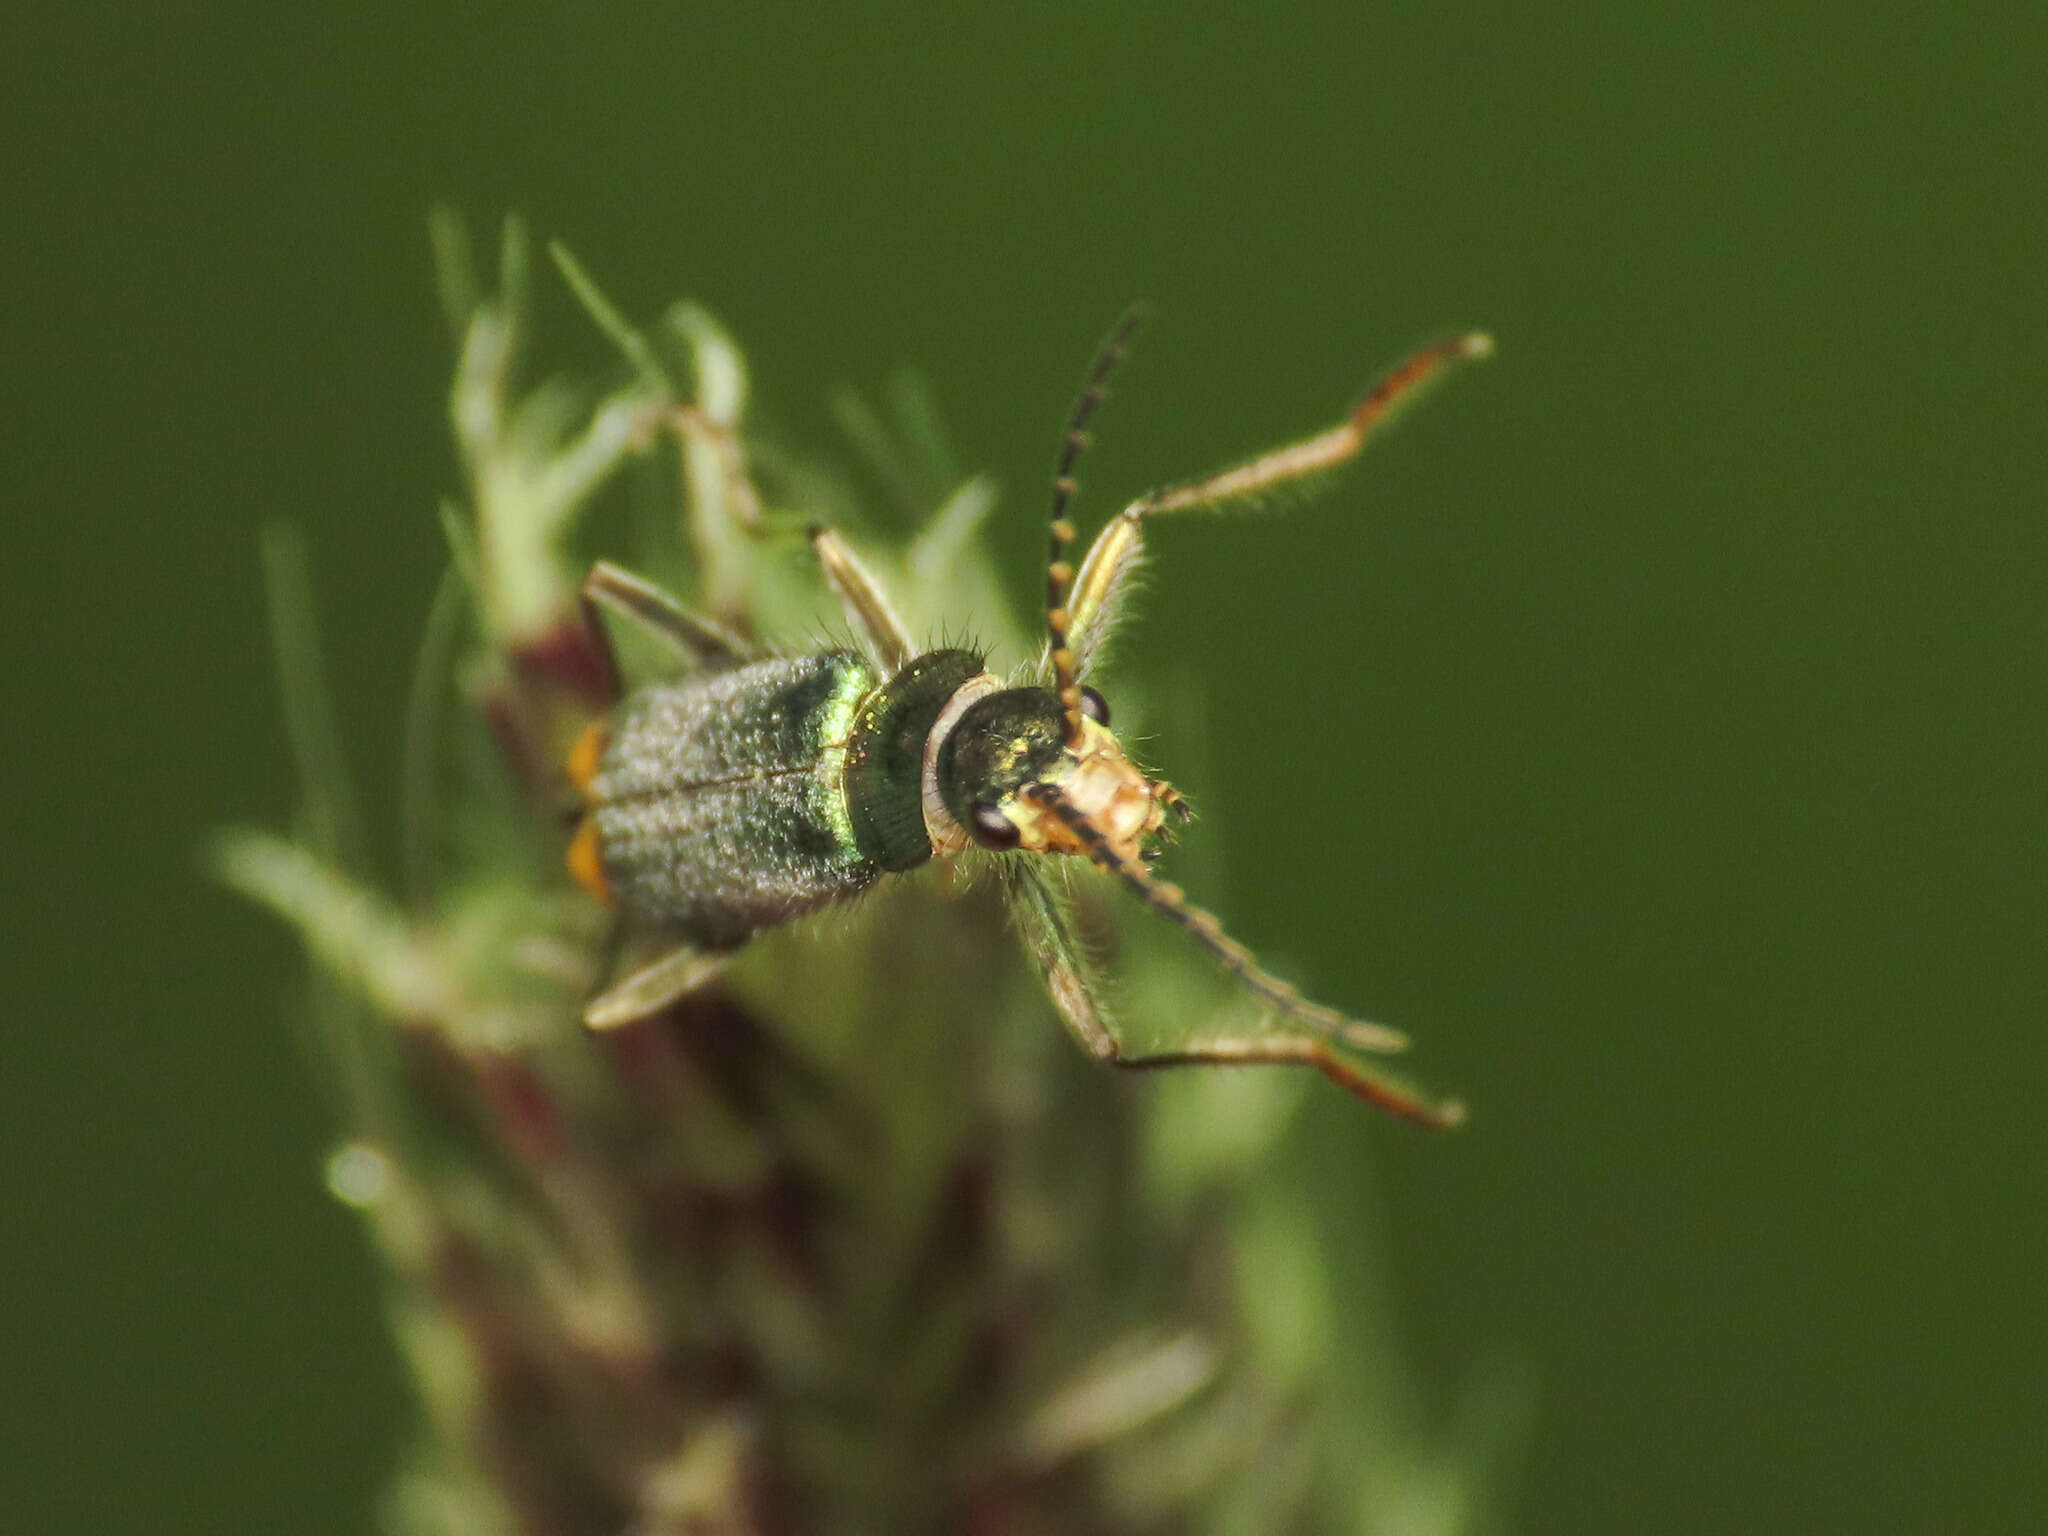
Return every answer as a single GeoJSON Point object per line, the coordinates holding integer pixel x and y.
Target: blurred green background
{"type": "Point", "coordinates": [1654, 726]}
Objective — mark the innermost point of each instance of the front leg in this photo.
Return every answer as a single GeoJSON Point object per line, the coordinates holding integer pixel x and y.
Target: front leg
{"type": "Point", "coordinates": [1105, 575]}
{"type": "Point", "coordinates": [1040, 913]}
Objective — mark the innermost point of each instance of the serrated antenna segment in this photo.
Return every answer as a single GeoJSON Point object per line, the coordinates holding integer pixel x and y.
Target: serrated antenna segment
{"type": "Point", "coordinates": [1058, 573]}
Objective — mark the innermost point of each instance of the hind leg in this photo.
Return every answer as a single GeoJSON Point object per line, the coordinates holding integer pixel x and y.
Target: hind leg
{"type": "Point", "coordinates": [653, 987]}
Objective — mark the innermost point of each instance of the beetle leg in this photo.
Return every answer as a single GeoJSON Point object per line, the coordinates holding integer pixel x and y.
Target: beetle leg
{"type": "Point", "coordinates": [867, 608]}
{"type": "Point", "coordinates": [1041, 916]}
{"type": "Point", "coordinates": [1104, 577]}
{"type": "Point", "coordinates": [700, 642]}
{"type": "Point", "coordinates": [726, 457]}
{"type": "Point", "coordinates": [653, 987]}
{"type": "Point", "coordinates": [1041, 913]}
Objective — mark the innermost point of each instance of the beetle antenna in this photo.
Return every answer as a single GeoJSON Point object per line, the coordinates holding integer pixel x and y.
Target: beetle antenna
{"type": "Point", "coordinates": [1171, 901]}
{"type": "Point", "coordinates": [1058, 573]}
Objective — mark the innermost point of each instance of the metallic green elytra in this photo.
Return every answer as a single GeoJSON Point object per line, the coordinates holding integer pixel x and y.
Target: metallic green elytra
{"type": "Point", "coordinates": [741, 800]}
{"type": "Point", "coordinates": [723, 805]}
{"type": "Point", "coordinates": [754, 790]}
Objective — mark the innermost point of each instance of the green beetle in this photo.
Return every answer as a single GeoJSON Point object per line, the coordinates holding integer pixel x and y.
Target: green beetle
{"type": "Point", "coordinates": [755, 789]}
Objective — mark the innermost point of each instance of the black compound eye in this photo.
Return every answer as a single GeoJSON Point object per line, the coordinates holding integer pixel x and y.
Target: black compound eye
{"type": "Point", "coordinates": [991, 828]}
{"type": "Point", "coordinates": [1094, 706]}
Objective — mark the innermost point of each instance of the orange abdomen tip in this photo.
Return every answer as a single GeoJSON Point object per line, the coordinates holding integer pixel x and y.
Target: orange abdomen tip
{"type": "Point", "coordinates": [587, 755]}
{"type": "Point", "coordinates": [586, 862]}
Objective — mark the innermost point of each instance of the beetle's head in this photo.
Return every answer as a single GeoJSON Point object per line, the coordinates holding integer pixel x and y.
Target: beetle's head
{"type": "Point", "coordinates": [1008, 755]}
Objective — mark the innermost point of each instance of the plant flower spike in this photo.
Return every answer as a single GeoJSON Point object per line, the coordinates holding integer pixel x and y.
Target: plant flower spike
{"type": "Point", "coordinates": [717, 1199]}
